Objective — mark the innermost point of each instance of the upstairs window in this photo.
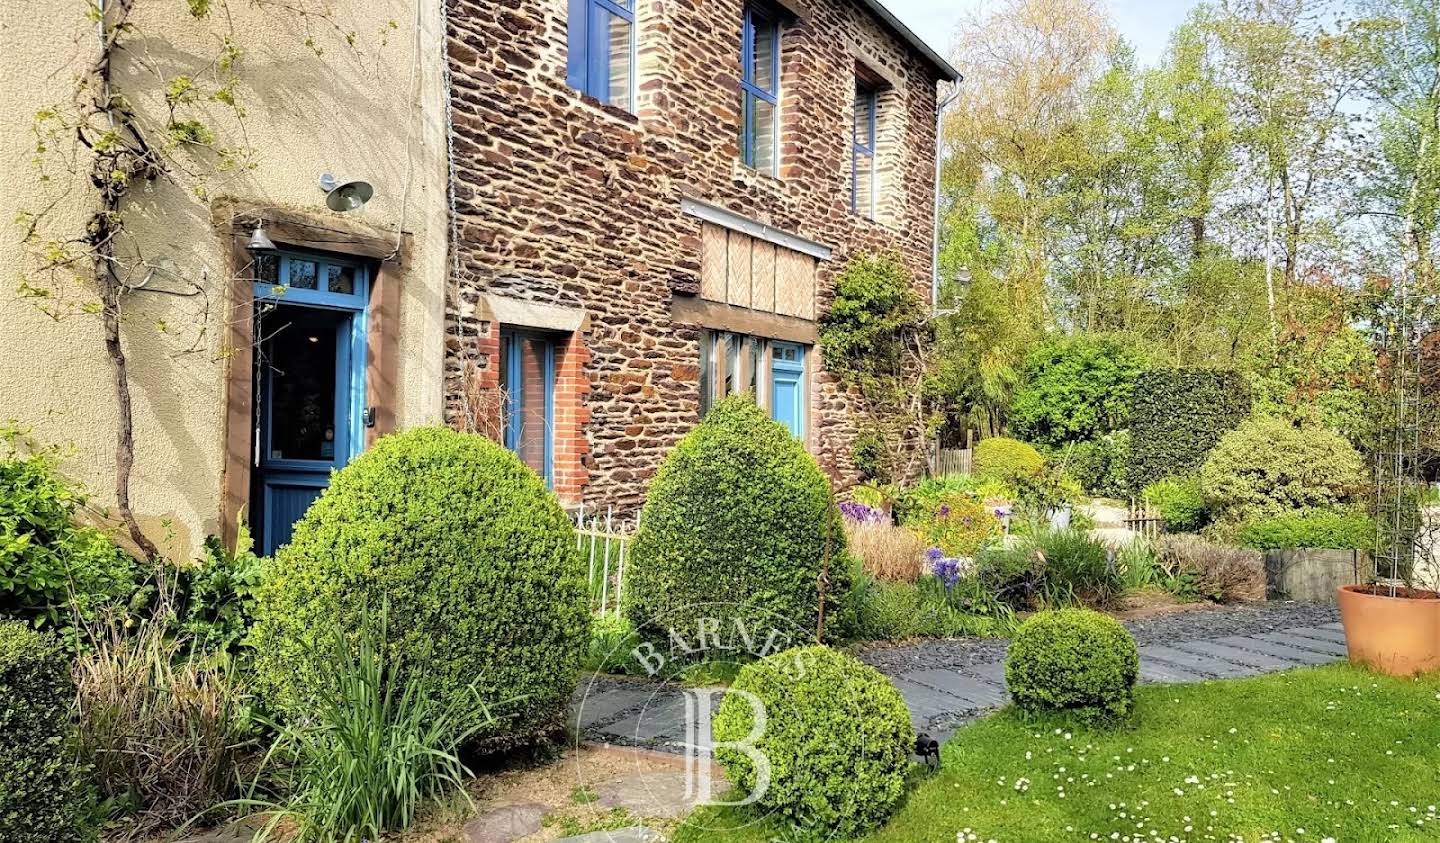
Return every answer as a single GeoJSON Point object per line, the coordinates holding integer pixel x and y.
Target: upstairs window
{"type": "Point", "coordinates": [602, 50]}
{"type": "Point", "coordinates": [759, 88]}
{"type": "Point", "coordinates": [862, 151]}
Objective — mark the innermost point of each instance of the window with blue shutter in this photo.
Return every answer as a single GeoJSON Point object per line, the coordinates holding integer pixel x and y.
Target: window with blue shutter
{"type": "Point", "coordinates": [759, 88]}
{"type": "Point", "coordinates": [602, 50]}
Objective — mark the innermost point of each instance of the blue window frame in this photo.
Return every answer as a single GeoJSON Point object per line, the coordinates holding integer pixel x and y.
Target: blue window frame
{"type": "Point", "coordinates": [527, 382]}
{"type": "Point", "coordinates": [862, 151]}
{"type": "Point", "coordinates": [601, 63]}
{"type": "Point", "coordinates": [771, 372]}
{"type": "Point", "coordinates": [759, 88]}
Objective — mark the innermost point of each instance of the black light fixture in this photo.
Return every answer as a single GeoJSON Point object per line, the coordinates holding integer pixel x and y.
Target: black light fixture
{"type": "Point", "coordinates": [929, 751]}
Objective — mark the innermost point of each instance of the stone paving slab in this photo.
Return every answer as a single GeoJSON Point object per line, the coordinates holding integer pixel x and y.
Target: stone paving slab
{"type": "Point", "coordinates": [634, 834]}
{"type": "Point", "coordinates": [1329, 648]}
{"type": "Point", "coordinates": [1284, 651]}
{"type": "Point", "coordinates": [506, 824]}
{"type": "Point", "coordinates": [1320, 633]}
{"type": "Point", "coordinates": [1249, 658]}
{"type": "Point", "coordinates": [1161, 673]}
{"type": "Point", "coordinates": [978, 692]}
{"type": "Point", "coordinates": [1204, 665]}
{"type": "Point", "coordinates": [994, 672]}
{"type": "Point", "coordinates": [663, 717]}
{"type": "Point", "coordinates": [607, 705]}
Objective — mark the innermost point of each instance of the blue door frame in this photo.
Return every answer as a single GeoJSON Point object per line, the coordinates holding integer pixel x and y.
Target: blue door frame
{"type": "Point", "coordinates": [787, 386]}
{"type": "Point", "coordinates": [292, 284]}
{"type": "Point", "coordinates": [515, 394]}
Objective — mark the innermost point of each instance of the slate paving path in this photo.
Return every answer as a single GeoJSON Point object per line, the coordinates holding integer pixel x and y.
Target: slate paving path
{"type": "Point", "coordinates": [946, 684]}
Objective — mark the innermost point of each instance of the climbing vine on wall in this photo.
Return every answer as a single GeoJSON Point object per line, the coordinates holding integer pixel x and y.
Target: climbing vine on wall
{"type": "Point", "coordinates": [876, 339]}
{"type": "Point", "coordinates": [142, 126]}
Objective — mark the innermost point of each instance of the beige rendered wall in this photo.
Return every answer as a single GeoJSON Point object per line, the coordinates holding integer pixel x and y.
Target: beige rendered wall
{"type": "Point", "coordinates": [372, 112]}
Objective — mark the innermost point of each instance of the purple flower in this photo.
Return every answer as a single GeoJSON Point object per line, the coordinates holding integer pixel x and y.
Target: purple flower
{"type": "Point", "coordinates": [944, 510]}
{"type": "Point", "coordinates": [934, 554]}
{"type": "Point", "coordinates": [862, 514]}
{"type": "Point", "coordinates": [947, 569]}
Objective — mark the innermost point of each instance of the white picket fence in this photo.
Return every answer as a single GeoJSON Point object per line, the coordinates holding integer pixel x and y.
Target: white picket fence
{"type": "Point", "coordinates": [604, 544]}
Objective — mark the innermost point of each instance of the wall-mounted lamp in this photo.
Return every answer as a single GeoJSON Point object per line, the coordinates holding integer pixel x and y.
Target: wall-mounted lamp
{"type": "Point", "coordinates": [345, 196]}
{"type": "Point", "coordinates": [258, 241]}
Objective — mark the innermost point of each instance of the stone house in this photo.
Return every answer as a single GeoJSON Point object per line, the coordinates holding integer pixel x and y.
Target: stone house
{"type": "Point", "coordinates": [652, 202]}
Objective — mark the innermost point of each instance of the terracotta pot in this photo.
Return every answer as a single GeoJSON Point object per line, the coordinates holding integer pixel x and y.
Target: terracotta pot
{"type": "Point", "coordinates": [1396, 635]}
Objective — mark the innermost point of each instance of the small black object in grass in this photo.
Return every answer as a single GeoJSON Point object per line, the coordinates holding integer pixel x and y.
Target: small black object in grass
{"type": "Point", "coordinates": [929, 751]}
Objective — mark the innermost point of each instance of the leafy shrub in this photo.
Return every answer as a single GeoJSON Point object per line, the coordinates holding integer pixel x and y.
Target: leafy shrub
{"type": "Point", "coordinates": [43, 793]}
{"type": "Point", "coordinates": [894, 611]}
{"type": "Point", "coordinates": [1136, 564]}
{"type": "Point", "coordinates": [927, 495]}
{"type": "Point", "coordinates": [1216, 572]}
{"type": "Point", "coordinates": [958, 524]}
{"type": "Point", "coordinates": [53, 569]}
{"type": "Point", "coordinates": [1099, 465]}
{"type": "Point", "coordinates": [383, 745]}
{"type": "Point", "coordinates": [1008, 461]}
{"type": "Point", "coordinates": [1339, 529]}
{"type": "Point", "coordinates": [1075, 388]}
{"type": "Point", "coordinates": [738, 525]}
{"type": "Point", "coordinates": [478, 562]}
{"type": "Point", "coordinates": [213, 601]}
{"type": "Point", "coordinates": [1268, 467]}
{"type": "Point", "coordinates": [1050, 568]}
{"type": "Point", "coordinates": [888, 552]}
{"type": "Point", "coordinates": [611, 639]}
{"type": "Point", "coordinates": [837, 737]}
{"type": "Point", "coordinates": [1073, 661]}
{"type": "Point", "coordinates": [1181, 502]}
{"type": "Point", "coordinates": [167, 736]}
{"type": "Point", "coordinates": [1178, 416]}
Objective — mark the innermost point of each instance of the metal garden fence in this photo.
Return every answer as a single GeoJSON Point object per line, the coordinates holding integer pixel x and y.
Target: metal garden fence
{"type": "Point", "coordinates": [604, 544]}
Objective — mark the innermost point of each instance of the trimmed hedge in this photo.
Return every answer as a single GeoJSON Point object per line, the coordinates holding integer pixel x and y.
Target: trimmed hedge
{"type": "Point", "coordinates": [1268, 466]}
{"type": "Point", "coordinates": [1073, 661]}
{"type": "Point", "coordinates": [1177, 417]}
{"type": "Point", "coordinates": [837, 737]}
{"type": "Point", "coordinates": [1100, 466]}
{"type": "Point", "coordinates": [1181, 502]}
{"type": "Point", "coordinates": [475, 558]}
{"type": "Point", "coordinates": [44, 796]}
{"type": "Point", "coordinates": [1316, 528]}
{"type": "Point", "coordinates": [1009, 461]}
{"type": "Point", "coordinates": [736, 529]}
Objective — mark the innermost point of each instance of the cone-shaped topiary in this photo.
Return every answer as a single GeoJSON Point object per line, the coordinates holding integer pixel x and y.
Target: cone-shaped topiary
{"type": "Point", "coordinates": [836, 740]}
{"type": "Point", "coordinates": [474, 557]}
{"type": "Point", "coordinates": [738, 525]}
{"type": "Point", "coordinates": [1075, 661]}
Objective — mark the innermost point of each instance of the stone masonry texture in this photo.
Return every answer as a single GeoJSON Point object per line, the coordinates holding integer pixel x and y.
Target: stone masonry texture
{"type": "Point", "coordinates": [565, 201]}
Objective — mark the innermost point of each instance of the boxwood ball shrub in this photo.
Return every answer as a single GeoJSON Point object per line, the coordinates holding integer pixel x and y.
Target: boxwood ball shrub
{"type": "Point", "coordinates": [474, 558]}
{"type": "Point", "coordinates": [1268, 466]}
{"type": "Point", "coordinates": [44, 795]}
{"type": "Point", "coordinates": [736, 530]}
{"type": "Point", "coordinates": [1177, 417]}
{"type": "Point", "coordinates": [1073, 661]}
{"type": "Point", "coordinates": [1181, 502]}
{"type": "Point", "coordinates": [837, 737]}
{"type": "Point", "coordinates": [1010, 461]}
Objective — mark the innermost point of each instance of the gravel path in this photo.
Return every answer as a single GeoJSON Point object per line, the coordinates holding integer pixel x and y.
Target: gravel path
{"type": "Point", "coordinates": [948, 683]}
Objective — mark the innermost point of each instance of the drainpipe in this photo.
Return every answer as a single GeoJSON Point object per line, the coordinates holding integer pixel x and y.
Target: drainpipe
{"type": "Point", "coordinates": [935, 234]}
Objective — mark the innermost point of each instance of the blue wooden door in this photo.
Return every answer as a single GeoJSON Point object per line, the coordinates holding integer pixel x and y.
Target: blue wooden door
{"type": "Point", "coordinates": [310, 385]}
{"type": "Point", "coordinates": [787, 386]}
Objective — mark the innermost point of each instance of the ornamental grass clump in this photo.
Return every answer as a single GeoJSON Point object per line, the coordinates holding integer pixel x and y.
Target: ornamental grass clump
{"type": "Point", "coordinates": [477, 560]}
{"type": "Point", "coordinates": [837, 740]}
{"type": "Point", "coordinates": [1074, 662]}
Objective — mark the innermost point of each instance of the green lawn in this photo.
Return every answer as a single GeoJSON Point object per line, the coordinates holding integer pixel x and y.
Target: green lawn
{"type": "Point", "coordinates": [1333, 752]}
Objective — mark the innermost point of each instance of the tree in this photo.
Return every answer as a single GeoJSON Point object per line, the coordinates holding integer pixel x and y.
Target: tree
{"type": "Point", "coordinates": [1076, 389]}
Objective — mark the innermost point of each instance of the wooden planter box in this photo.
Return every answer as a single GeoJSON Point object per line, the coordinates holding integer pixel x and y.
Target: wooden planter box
{"type": "Point", "coordinates": [1314, 575]}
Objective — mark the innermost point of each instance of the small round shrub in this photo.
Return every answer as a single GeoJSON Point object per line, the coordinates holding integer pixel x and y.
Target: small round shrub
{"type": "Point", "coordinates": [1181, 502]}
{"type": "Point", "coordinates": [44, 796]}
{"type": "Point", "coordinates": [474, 558]}
{"type": "Point", "coordinates": [837, 738]}
{"type": "Point", "coordinates": [1073, 661]}
{"type": "Point", "coordinates": [1008, 460]}
{"type": "Point", "coordinates": [1268, 466]}
{"type": "Point", "coordinates": [738, 525]}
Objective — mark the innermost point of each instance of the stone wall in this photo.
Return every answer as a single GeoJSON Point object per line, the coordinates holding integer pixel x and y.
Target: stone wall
{"type": "Point", "coordinates": [567, 201]}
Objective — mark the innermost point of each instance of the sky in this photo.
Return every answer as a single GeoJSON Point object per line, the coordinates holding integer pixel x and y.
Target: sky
{"type": "Point", "coordinates": [1146, 24]}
